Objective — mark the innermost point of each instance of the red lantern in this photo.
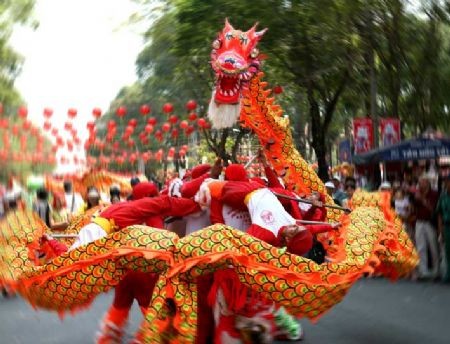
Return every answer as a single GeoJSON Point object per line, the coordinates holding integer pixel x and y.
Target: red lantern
{"type": "Point", "coordinates": [278, 89]}
{"type": "Point", "coordinates": [145, 110]}
{"type": "Point", "coordinates": [90, 125]}
{"type": "Point", "coordinates": [121, 111]}
{"type": "Point", "coordinates": [174, 133]}
{"type": "Point", "coordinates": [201, 122]}
{"type": "Point", "coordinates": [55, 131]}
{"type": "Point", "coordinates": [4, 123]}
{"type": "Point", "coordinates": [171, 152]}
{"type": "Point", "coordinates": [149, 128]}
{"type": "Point", "coordinates": [47, 126]}
{"type": "Point", "coordinates": [132, 122]}
{"type": "Point", "coordinates": [111, 124]}
{"type": "Point", "coordinates": [72, 113]}
{"type": "Point", "coordinates": [68, 126]}
{"type": "Point", "coordinates": [184, 124]}
{"type": "Point", "coordinates": [26, 125]}
{"type": "Point", "coordinates": [22, 111]}
{"type": "Point", "coordinates": [173, 119]}
{"type": "Point", "coordinates": [116, 145]}
{"type": "Point", "coordinates": [189, 130]}
{"type": "Point", "coordinates": [185, 147]}
{"type": "Point", "coordinates": [97, 112]}
{"type": "Point", "coordinates": [182, 152]}
{"type": "Point", "coordinates": [192, 116]}
{"type": "Point", "coordinates": [191, 105]}
{"type": "Point", "coordinates": [167, 108]}
{"type": "Point", "coordinates": [15, 129]}
{"type": "Point", "coordinates": [129, 130]}
{"type": "Point", "coordinates": [166, 127]}
{"type": "Point", "coordinates": [152, 121]}
{"type": "Point", "coordinates": [48, 112]}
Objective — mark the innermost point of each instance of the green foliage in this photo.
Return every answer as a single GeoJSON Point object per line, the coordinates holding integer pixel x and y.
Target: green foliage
{"type": "Point", "coordinates": [321, 51]}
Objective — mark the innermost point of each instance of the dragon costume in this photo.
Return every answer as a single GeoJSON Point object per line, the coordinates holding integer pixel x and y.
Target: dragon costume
{"type": "Point", "coordinates": [371, 238]}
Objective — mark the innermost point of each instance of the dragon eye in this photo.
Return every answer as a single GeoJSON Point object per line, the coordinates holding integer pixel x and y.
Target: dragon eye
{"type": "Point", "coordinates": [216, 44]}
{"type": "Point", "coordinates": [254, 53]}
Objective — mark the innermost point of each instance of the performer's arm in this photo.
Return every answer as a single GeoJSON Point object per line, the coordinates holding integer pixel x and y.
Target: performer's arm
{"type": "Point", "coordinates": [216, 214]}
{"type": "Point", "coordinates": [272, 178]}
{"type": "Point", "coordinates": [316, 229]}
{"type": "Point", "coordinates": [263, 234]}
{"type": "Point", "coordinates": [189, 189]}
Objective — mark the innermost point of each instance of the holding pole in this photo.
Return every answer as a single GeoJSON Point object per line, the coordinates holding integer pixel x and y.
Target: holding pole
{"type": "Point", "coordinates": [346, 210]}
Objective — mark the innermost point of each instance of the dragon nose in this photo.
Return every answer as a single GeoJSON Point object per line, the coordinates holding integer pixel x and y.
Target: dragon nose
{"type": "Point", "coordinates": [230, 60]}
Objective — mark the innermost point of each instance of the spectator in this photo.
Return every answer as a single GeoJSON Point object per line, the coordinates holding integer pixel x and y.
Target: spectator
{"type": "Point", "coordinates": [41, 206]}
{"type": "Point", "coordinates": [349, 187]}
{"type": "Point", "coordinates": [114, 194]}
{"type": "Point", "coordinates": [93, 198]}
{"type": "Point", "coordinates": [330, 188]}
{"type": "Point", "coordinates": [338, 195]}
{"type": "Point", "coordinates": [425, 201]}
{"type": "Point", "coordinates": [443, 212]}
{"type": "Point", "coordinates": [403, 208]}
{"type": "Point", "coordinates": [59, 215]}
{"type": "Point", "coordinates": [73, 200]}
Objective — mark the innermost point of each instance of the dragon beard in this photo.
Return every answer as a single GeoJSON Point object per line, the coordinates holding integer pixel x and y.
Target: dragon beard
{"type": "Point", "coordinates": [223, 115]}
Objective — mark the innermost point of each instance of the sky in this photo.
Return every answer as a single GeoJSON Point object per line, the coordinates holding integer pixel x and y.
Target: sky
{"type": "Point", "coordinates": [80, 56]}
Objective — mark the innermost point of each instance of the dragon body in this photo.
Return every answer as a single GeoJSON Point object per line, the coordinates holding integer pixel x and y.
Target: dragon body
{"type": "Point", "coordinates": [371, 240]}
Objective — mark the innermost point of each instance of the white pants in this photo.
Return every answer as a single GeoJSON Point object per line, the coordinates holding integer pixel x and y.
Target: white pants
{"type": "Point", "coordinates": [426, 239]}
{"type": "Point", "coordinates": [87, 234]}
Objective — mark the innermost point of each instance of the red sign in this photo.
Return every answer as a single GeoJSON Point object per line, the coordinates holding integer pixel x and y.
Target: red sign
{"type": "Point", "coordinates": [390, 131]}
{"type": "Point", "coordinates": [362, 134]}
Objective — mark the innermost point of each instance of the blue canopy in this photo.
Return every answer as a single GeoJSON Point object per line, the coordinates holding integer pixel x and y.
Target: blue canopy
{"type": "Point", "coordinates": [413, 149]}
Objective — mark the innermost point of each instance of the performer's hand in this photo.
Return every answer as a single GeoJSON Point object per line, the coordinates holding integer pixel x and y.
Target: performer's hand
{"type": "Point", "coordinates": [336, 225]}
{"type": "Point", "coordinates": [317, 204]}
{"type": "Point", "coordinates": [216, 169]}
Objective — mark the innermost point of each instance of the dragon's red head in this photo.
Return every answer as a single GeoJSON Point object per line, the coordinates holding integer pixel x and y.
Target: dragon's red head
{"type": "Point", "coordinates": [235, 59]}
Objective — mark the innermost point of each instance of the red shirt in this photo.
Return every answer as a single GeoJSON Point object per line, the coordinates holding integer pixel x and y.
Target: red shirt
{"type": "Point", "coordinates": [141, 211]}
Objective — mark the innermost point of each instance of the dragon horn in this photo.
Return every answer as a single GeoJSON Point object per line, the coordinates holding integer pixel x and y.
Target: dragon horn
{"type": "Point", "coordinates": [228, 26]}
{"type": "Point", "coordinates": [260, 33]}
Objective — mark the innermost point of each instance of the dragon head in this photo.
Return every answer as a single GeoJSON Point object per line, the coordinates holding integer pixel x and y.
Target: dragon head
{"type": "Point", "coordinates": [235, 60]}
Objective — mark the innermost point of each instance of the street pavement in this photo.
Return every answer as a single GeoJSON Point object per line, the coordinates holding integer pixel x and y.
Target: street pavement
{"type": "Point", "coordinates": [374, 312]}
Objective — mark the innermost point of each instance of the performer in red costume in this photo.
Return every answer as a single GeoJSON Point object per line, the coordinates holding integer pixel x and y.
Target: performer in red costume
{"type": "Point", "coordinates": [274, 225]}
{"type": "Point", "coordinates": [134, 285]}
{"type": "Point", "coordinates": [233, 215]}
{"type": "Point", "coordinates": [121, 215]}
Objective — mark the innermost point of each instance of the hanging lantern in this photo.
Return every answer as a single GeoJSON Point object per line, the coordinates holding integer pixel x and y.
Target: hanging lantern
{"type": "Point", "coordinates": [191, 105]}
{"type": "Point", "coordinates": [185, 148]}
{"type": "Point", "coordinates": [189, 130]}
{"type": "Point", "coordinates": [90, 125]}
{"type": "Point", "coordinates": [15, 129]}
{"type": "Point", "coordinates": [97, 112]}
{"type": "Point", "coordinates": [47, 126]}
{"type": "Point", "coordinates": [121, 111]}
{"type": "Point", "coordinates": [184, 124]}
{"type": "Point", "coordinates": [278, 89]}
{"type": "Point", "coordinates": [167, 108]}
{"type": "Point", "coordinates": [152, 121]}
{"type": "Point", "coordinates": [192, 116]}
{"type": "Point", "coordinates": [48, 112]}
{"type": "Point", "coordinates": [72, 113]}
{"type": "Point", "coordinates": [166, 127]}
{"type": "Point", "coordinates": [201, 122]}
{"type": "Point", "coordinates": [174, 133]}
{"type": "Point", "coordinates": [133, 122]}
{"type": "Point", "coordinates": [173, 119]}
{"type": "Point", "coordinates": [182, 152]}
{"type": "Point", "coordinates": [149, 128]}
{"type": "Point", "coordinates": [26, 125]}
{"type": "Point", "coordinates": [111, 124]}
{"type": "Point", "coordinates": [145, 110]}
{"type": "Point", "coordinates": [68, 126]}
{"type": "Point", "coordinates": [22, 111]}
